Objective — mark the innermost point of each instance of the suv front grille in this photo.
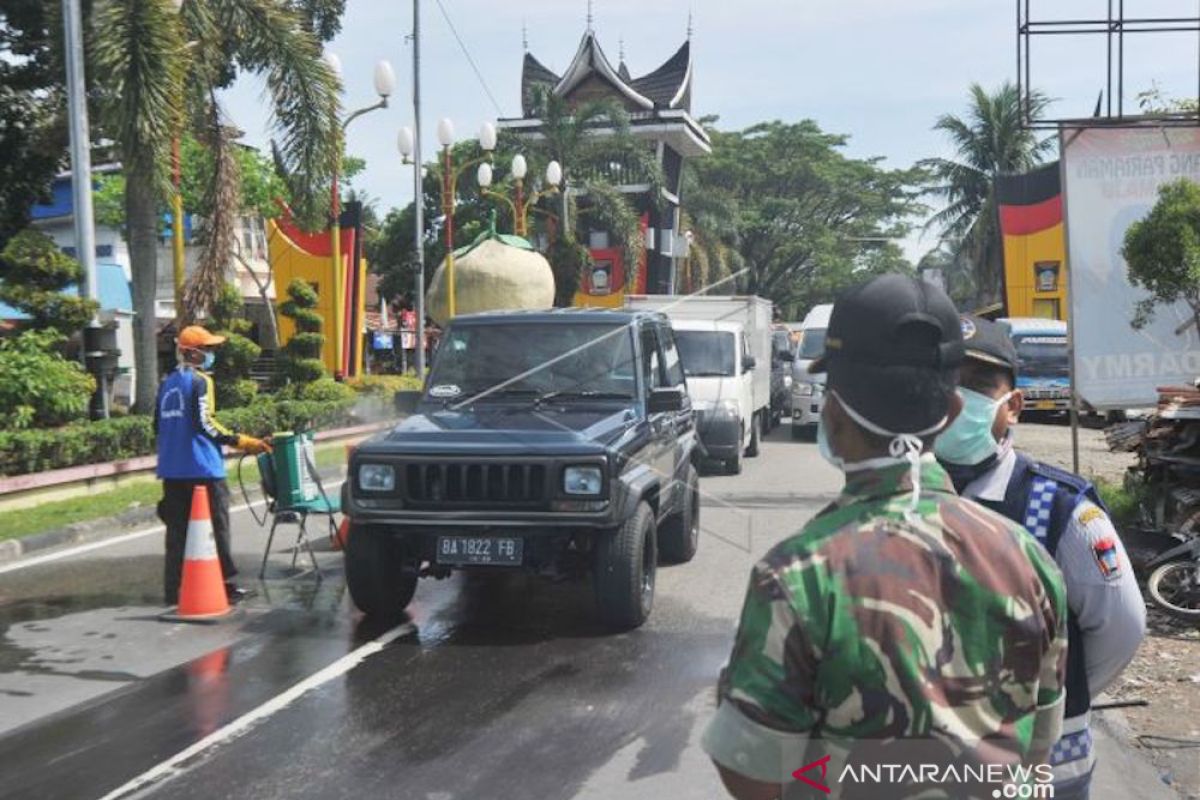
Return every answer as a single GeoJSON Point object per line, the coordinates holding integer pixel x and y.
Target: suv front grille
{"type": "Point", "coordinates": [475, 485]}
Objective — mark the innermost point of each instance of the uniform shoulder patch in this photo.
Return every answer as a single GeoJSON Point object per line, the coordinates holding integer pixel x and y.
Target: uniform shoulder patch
{"type": "Point", "coordinates": [1090, 513]}
{"type": "Point", "coordinates": [1107, 558]}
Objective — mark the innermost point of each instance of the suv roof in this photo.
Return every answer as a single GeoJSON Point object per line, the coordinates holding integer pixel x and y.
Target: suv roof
{"type": "Point", "coordinates": [560, 315]}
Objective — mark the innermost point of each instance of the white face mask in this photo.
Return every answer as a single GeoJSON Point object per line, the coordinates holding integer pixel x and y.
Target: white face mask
{"type": "Point", "coordinates": [904, 447]}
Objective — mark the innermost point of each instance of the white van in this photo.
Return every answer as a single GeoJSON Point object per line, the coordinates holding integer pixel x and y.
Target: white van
{"type": "Point", "coordinates": [808, 391]}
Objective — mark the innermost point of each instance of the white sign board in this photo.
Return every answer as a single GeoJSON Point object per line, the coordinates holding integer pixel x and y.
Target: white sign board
{"type": "Point", "coordinates": [1111, 180]}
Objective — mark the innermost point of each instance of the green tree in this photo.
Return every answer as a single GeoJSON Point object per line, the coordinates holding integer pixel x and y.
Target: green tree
{"type": "Point", "coordinates": [159, 73]}
{"type": "Point", "coordinates": [990, 140]}
{"type": "Point", "coordinates": [238, 354]}
{"type": "Point", "coordinates": [35, 272]}
{"type": "Point", "coordinates": [803, 219]}
{"type": "Point", "coordinates": [301, 363]}
{"type": "Point", "coordinates": [1162, 252]}
{"type": "Point", "coordinates": [33, 131]}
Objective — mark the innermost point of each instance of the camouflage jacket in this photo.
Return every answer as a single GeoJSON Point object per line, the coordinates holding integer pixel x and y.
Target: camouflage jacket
{"type": "Point", "coordinates": [879, 622]}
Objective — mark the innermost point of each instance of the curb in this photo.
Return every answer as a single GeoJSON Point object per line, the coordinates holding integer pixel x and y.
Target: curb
{"type": "Point", "coordinates": [96, 530]}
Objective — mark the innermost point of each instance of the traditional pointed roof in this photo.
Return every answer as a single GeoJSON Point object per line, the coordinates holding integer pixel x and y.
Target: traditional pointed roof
{"type": "Point", "coordinates": [668, 87]}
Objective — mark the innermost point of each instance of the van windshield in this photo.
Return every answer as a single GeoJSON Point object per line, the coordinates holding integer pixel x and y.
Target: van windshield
{"type": "Point", "coordinates": [1042, 356]}
{"type": "Point", "coordinates": [812, 343]}
{"type": "Point", "coordinates": [706, 353]}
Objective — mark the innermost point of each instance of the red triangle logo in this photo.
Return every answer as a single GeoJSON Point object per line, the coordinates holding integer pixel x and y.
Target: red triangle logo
{"type": "Point", "coordinates": [823, 763]}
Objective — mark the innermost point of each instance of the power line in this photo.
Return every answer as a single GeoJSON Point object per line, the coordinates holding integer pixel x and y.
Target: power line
{"type": "Point", "coordinates": [462, 45]}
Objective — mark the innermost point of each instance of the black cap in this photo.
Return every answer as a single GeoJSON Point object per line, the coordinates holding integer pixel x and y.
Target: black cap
{"type": "Point", "coordinates": [990, 343]}
{"type": "Point", "coordinates": [883, 337]}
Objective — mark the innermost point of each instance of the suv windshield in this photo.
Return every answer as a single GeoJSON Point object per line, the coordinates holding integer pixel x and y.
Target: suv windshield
{"type": "Point", "coordinates": [1042, 356]}
{"type": "Point", "coordinates": [812, 343]}
{"type": "Point", "coordinates": [534, 359]}
{"type": "Point", "coordinates": [706, 353]}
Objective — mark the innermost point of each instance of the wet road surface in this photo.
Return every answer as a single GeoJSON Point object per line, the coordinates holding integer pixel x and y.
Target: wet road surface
{"type": "Point", "coordinates": [498, 687]}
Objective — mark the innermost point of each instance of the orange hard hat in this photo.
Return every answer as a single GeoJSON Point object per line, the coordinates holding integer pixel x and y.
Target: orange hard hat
{"type": "Point", "coordinates": [194, 337]}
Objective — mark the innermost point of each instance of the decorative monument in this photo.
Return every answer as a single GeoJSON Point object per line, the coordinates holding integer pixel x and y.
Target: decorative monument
{"type": "Point", "coordinates": [659, 105]}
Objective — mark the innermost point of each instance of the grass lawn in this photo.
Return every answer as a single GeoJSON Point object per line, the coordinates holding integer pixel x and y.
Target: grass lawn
{"type": "Point", "coordinates": [58, 513]}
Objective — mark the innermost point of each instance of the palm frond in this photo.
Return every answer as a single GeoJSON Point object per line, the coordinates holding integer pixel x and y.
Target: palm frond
{"type": "Point", "coordinates": [220, 228]}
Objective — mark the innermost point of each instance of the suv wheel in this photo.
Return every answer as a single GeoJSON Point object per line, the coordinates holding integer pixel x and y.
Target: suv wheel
{"type": "Point", "coordinates": [756, 425]}
{"type": "Point", "coordinates": [626, 560]}
{"type": "Point", "coordinates": [376, 573]}
{"type": "Point", "coordinates": [680, 534]}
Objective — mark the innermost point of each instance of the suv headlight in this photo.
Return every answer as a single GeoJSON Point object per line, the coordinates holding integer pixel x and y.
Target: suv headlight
{"type": "Point", "coordinates": [787, 381]}
{"type": "Point", "coordinates": [802, 389]}
{"type": "Point", "coordinates": [376, 478]}
{"type": "Point", "coordinates": [583, 480]}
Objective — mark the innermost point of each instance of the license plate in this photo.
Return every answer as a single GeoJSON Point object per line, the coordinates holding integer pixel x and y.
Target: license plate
{"type": "Point", "coordinates": [505, 552]}
{"type": "Point", "coordinates": [1044, 405]}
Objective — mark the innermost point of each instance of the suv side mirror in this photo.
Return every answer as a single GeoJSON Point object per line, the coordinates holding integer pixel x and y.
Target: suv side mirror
{"type": "Point", "coordinates": [665, 399]}
{"type": "Point", "coordinates": [748, 363]}
{"type": "Point", "coordinates": [407, 401]}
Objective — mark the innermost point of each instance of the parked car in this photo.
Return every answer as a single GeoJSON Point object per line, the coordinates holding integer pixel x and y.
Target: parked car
{"type": "Point", "coordinates": [808, 391]}
{"type": "Point", "coordinates": [781, 375]}
{"type": "Point", "coordinates": [555, 443]}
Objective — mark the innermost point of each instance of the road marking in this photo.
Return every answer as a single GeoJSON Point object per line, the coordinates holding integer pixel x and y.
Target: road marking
{"type": "Point", "coordinates": [172, 767]}
{"type": "Point", "coordinates": [125, 537]}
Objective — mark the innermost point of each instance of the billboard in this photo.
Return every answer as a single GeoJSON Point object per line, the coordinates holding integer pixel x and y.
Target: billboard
{"type": "Point", "coordinates": [1111, 180]}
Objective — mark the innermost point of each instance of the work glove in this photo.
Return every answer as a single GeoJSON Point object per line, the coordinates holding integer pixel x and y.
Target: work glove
{"type": "Point", "coordinates": [248, 444]}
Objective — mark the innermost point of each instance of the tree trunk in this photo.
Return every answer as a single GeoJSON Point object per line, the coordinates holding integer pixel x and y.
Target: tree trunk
{"type": "Point", "coordinates": [142, 220]}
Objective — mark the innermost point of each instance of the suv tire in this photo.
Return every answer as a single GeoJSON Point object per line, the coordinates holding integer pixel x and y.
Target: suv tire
{"type": "Point", "coordinates": [376, 576]}
{"type": "Point", "coordinates": [625, 562]}
{"type": "Point", "coordinates": [680, 535]}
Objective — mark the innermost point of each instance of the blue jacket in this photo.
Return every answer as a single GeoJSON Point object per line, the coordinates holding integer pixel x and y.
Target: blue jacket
{"type": "Point", "coordinates": [189, 436]}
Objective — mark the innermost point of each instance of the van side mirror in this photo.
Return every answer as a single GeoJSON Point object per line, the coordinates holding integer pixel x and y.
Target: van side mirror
{"type": "Point", "coordinates": [749, 363]}
{"type": "Point", "coordinates": [407, 402]}
{"type": "Point", "coordinates": [665, 399]}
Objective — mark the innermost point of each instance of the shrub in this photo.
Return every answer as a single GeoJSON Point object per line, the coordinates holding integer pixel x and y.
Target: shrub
{"type": "Point", "coordinates": [237, 355]}
{"type": "Point", "coordinates": [301, 362]}
{"type": "Point", "coordinates": [325, 390]}
{"type": "Point", "coordinates": [385, 385]}
{"type": "Point", "coordinates": [25, 451]}
{"type": "Point", "coordinates": [38, 387]}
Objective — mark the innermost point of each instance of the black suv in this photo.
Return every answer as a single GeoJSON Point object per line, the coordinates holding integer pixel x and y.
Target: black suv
{"type": "Point", "coordinates": [555, 442]}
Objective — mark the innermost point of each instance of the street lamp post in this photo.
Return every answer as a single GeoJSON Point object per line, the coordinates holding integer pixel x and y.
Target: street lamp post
{"type": "Point", "coordinates": [385, 84]}
{"type": "Point", "coordinates": [450, 176]}
{"type": "Point", "coordinates": [521, 205]}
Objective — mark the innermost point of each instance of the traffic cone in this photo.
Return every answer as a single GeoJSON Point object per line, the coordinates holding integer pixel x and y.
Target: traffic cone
{"type": "Point", "coordinates": [202, 595]}
{"type": "Point", "coordinates": [338, 540]}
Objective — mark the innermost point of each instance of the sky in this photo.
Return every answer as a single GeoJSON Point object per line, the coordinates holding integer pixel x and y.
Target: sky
{"type": "Point", "coordinates": [878, 71]}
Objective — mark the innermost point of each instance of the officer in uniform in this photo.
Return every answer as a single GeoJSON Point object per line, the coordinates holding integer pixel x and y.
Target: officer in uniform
{"type": "Point", "coordinates": [903, 624]}
{"type": "Point", "coordinates": [189, 454]}
{"type": "Point", "coordinates": [1107, 617]}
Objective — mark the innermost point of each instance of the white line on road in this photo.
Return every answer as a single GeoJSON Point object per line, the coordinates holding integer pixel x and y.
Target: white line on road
{"type": "Point", "coordinates": [173, 766]}
{"type": "Point", "coordinates": [58, 555]}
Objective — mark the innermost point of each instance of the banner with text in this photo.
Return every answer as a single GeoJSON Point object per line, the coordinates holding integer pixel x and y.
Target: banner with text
{"type": "Point", "coordinates": [1112, 176]}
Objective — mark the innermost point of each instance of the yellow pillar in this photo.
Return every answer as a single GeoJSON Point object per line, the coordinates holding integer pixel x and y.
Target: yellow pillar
{"type": "Point", "coordinates": [339, 288]}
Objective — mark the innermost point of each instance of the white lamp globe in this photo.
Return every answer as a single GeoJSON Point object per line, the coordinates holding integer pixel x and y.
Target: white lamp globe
{"type": "Point", "coordinates": [404, 141]}
{"type": "Point", "coordinates": [333, 62]}
{"type": "Point", "coordinates": [519, 167]}
{"type": "Point", "coordinates": [385, 79]}
{"type": "Point", "coordinates": [445, 132]}
{"type": "Point", "coordinates": [487, 137]}
{"type": "Point", "coordinates": [554, 173]}
{"type": "Point", "coordinates": [484, 175]}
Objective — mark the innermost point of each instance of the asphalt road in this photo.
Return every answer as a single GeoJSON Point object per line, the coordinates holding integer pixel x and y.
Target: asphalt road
{"type": "Point", "coordinates": [493, 689]}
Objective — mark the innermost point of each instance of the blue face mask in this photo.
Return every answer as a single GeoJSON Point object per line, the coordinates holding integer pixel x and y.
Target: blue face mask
{"type": "Point", "coordinates": [969, 440]}
{"type": "Point", "coordinates": [210, 358]}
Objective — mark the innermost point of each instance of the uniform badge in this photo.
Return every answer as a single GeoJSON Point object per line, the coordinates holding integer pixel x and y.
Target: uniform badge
{"type": "Point", "coordinates": [1107, 558]}
{"type": "Point", "coordinates": [968, 328]}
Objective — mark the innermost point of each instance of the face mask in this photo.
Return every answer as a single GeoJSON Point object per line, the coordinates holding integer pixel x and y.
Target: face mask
{"type": "Point", "coordinates": [210, 358]}
{"type": "Point", "coordinates": [969, 441]}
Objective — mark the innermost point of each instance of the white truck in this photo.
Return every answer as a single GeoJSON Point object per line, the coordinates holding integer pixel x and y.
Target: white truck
{"type": "Point", "coordinates": [725, 346]}
{"type": "Point", "coordinates": [808, 391]}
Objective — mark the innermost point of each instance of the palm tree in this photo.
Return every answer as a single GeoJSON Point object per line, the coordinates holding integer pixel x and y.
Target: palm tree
{"type": "Point", "coordinates": [594, 166]}
{"type": "Point", "coordinates": [158, 70]}
{"type": "Point", "coordinates": [992, 139]}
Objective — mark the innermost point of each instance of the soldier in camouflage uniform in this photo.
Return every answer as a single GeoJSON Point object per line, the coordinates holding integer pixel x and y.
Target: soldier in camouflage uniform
{"type": "Point", "coordinates": [902, 624]}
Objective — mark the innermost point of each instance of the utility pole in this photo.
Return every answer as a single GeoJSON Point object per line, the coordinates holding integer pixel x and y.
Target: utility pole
{"type": "Point", "coordinates": [81, 189]}
{"type": "Point", "coordinates": [418, 191]}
